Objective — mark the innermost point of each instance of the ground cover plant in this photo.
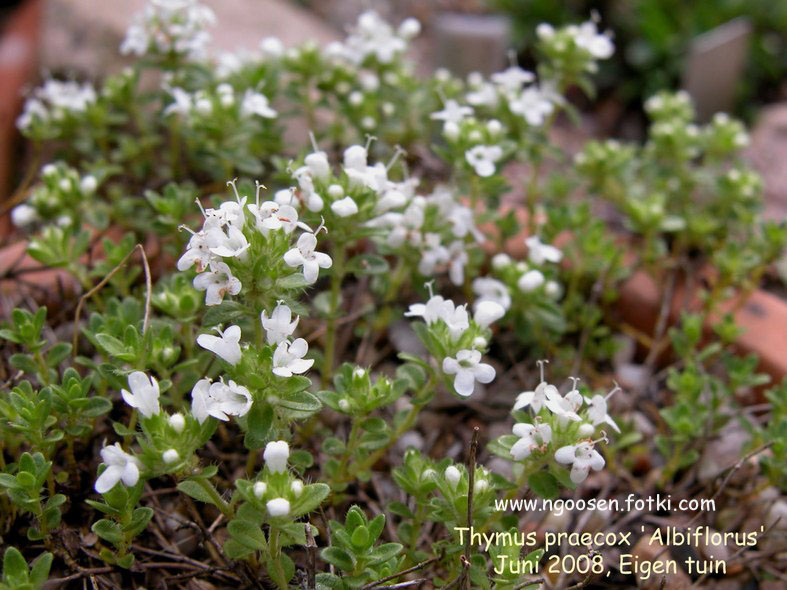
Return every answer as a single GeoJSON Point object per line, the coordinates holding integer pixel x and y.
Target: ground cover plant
{"type": "Point", "coordinates": [317, 337]}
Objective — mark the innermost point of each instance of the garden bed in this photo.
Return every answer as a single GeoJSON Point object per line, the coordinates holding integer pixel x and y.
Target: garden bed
{"type": "Point", "coordinates": [318, 373]}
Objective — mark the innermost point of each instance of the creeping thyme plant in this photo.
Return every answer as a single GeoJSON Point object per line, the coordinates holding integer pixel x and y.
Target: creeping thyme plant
{"type": "Point", "coordinates": [261, 329]}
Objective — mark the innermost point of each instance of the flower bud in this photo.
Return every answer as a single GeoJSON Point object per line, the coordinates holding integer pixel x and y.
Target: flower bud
{"type": "Point", "coordinates": [500, 260]}
{"type": "Point", "coordinates": [344, 207]}
{"type": "Point", "coordinates": [451, 130]}
{"type": "Point", "coordinates": [317, 162]}
{"type": "Point", "coordinates": [355, 157]}
{"type": "Point", "coordinates": [297, 487]}
{"type": "Point", "coordinates": [487, 312]}
{"type": "Point", "coordinates": [452, 476]}
{"type": "Point", "coordinates": [586, 429]}
{"type": "Point", "coordinates": [260, 487]}
{"type": "Point", "coordinates": [494, 126]}
{"type": "Point", "coordinates": [278, 507]}
{"type": "Point", "coordinates": [481, 485]}
{"type": "Point", "coordinates": [177, 422]}
{"type": "Point", "coordinates": [428, 474]}
{"type": "Point", "coordinates": [530, 281]}
{"type": "Point", "coordinates": [170, 456]}
{"type": "Point", "coordinates": [88, 184]}
{"type": "Point", "coordinates": [409, 28]}
{"type": "Point", "coordinates": [49, 170]}
{"type": "Point", "coordinates": [344, 405]}
{"type": "Point", "coordinates": [335, 191]}
{"type": "Point", "coordinates": [552, 288]}
{"type": "Point", "coordinates": [479, 342]}
{"type": "Point", "coordinates": [276, 455]}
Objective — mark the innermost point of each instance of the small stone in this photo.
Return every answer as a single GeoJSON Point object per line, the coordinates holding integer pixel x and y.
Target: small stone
{"type": "Point", "coordinates": [655, 552]}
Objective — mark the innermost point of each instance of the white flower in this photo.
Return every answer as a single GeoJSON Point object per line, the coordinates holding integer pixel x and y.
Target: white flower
{"type": "Point", "coordinates": [433, 254]}
{"type": "Point", "coordinates": [530, 281]}
{"type": "Point", "coordinates": [259, 489]}
{"type": "Point", "coordinates": [552, 289]}
{"type": "Point", "coordinates": [255, 103]}
{"type": "Point", "coordinates": [582, 458]}
{"type": "Point", "coordinates": [198, 252]}
{"type": "Point", "coordinates": [500, 261]}
{"type": "Point", "coordinates": [533, 105]}
{"type": "Point", "coordinates": [452, 476]}
{"type": "Point", "coordinates": [170, 456]}
{"type": "Point", "coordinates": [288, 358]}
{"type": "Point", "coordinates": [512, 79]}
{"type": "Point", "coordinates": [535, 399]}
{"type": "Point", "coordinates": [597, 410]}
{"type": "Point", "coordinates": [538, 252]}
{"type": "Point", "coordinates": [484, 94]}
{"type": "Point", "coordinates": [177, 422]}
{"type": "Point", "coordinates": [468, 368]}
{"type": "Point", "coordinates": [120, 467]}
{"type": "Point", "coordinates": [88, 184]}
{"type": "Point", "coordinates": [226, 345]}
{"type": "Point", "coordinates": [483, 157]}
{"type": "Point", "coordinates": [219, 400]}
{"type": "Point", "coordinates": [531, 436]}
{"type": "Point", "coordinates": [276, 454]}
{"type": "Point", "coordinates": [489, 289]}
{"type": "Point", "coordinates": [318, 165]}
{"type": "Point", "coordinates": [344, 207]}
{"type": "Point", "coordinates": [563, 407]}
{"type": "Point", "coordinates": [233, 244]}
{"type": "Point", "coordinates": [597, 44]}
{"type": "Point", "coordinates": [280, 325]}
{"type": "Point", "coordinates": [170, 26]}
{"type": "Point", "coordinates": [278, 507]}
{"type": "Point", "coordinates": [216, 283]}
{"type": "Point", "coordinates": [272, 47]}
{"type": "Point", "coordinates": [409, 28]}
{"type": "Point", "coordinates": [23, 215]}
{"type": "Point", "coordinates": [487, 312]}
{"type": "Point", "coordinates": [452, 112]}
{"type": "Point", "coordinates": [304, 255]}
{"type": "Point", "coordinates": [144, 394]}
{"type": "Point", "coordinates": [457, 259]}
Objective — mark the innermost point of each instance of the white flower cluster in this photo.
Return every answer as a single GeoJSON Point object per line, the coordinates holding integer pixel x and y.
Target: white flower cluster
{"type": "Point", "coordinates": [373, 37]}
{"type": "Point", "coordinates": [516, 88]}
{"type": "Point", "coordinates": [437, 226]}
{"type": "Point", "coordinates": [465, 365]}
{"type": "Point", "coordinates": [205, 104]}
{"type": "Point", "coordinates": [222, 238]}
{"type": "Point", "coordinates": [54, 101]}
{"type": "Point", "coordinates": [60, 191]}
{"type": "Point", "coordinates": [527, 279]}
{"type": "Point", "coordinates": [167, 27]}
{"type": "Point", "coordinates": [565, 417]}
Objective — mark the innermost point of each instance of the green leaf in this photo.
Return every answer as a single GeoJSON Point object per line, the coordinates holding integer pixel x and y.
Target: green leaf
{"type": "Point", "coordinates": [339, 558]}
{"type": "Point", "coordinates": [139, 520]}
{"type": "Point", "coordinates": [247, 534]}
{"type": "Point", "coordinates": [40, 570]}
{"type": "Point", "coordinates": [384, 552]}
{"type": "Point", "coordinates": [108, 530]}
{"type": "Point", "coordinates": [196, 491]}
{"type": "Point", "coordinates": [260, 419]}
{"type": "Point", "coordinates": [311, 497]}
{"type": "Point", "coordinates": [368, 265]}
{"type": "Point", "coordinates": [299, 405]}
{"type": "Point", "coordinates": [235, 550]}
{"type": "Point", "coordinates": [14, 567]}
{"type": "Point", "coordinates": [543, 484]}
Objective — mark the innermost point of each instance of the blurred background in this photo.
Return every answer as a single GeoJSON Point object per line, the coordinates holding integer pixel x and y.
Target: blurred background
{"type": "Point", "coordinates": [731, 55]}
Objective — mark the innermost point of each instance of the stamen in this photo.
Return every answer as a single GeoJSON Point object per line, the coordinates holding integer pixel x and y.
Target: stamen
{"type": "Point", "coordinates": [233, 184]}
{"type": "Point", "coordinates": [258, 185]}
{"type": "Point", "coordinates": [321, 226]}
{"type": "Point", "coordinates": [398, 151]}
{"type": "Point", "coordinates": [574, 380]}
{"type": "Point", "coordinates": [201, 208]}
{"type": "Point", "coordinates": [541, 364]}
{"type": "Point", "coordinates": [369, 139]}
{"type": "Point", "coordinates": [188, 229]}
{"type": "Point", "coordinates": [603, 438]}
{"type": "Point", "coordinates": [512, 60]}
{"type": "Point", "coordinates": [428, 286]}
{"type": "Point", "coordinates": [614, 390]}
{"type": "Point", "coordinates": [313, 139]}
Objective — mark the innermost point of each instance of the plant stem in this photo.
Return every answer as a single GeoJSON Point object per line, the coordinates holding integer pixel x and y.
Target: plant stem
{"type": "Point", "coordinates": [220, 503]}
{"type": "Point", "coordinates": [273, 553]}
{"type": "Point", "coordinates": [337, 277]}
